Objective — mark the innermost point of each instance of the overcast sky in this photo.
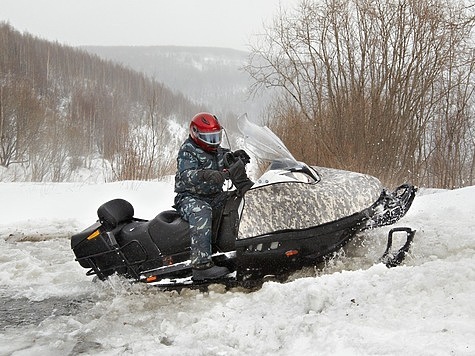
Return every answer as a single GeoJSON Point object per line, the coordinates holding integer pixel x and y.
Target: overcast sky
{"type": "Point", "coordinates": [216, 23]}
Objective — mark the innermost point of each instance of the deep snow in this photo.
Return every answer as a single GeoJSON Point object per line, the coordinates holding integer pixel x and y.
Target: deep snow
{"type": "Point", "coordinates": [351, 306]}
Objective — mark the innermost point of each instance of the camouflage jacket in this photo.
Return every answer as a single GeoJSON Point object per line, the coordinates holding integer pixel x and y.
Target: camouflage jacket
{"type": "Point", "coordinates": [191, 159]}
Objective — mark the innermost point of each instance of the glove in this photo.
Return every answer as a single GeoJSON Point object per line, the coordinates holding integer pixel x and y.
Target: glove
{"type": "Point", "coordinates": [213, 177]}
{"type": "Point", "coordinates": [242, 155]}
{"type": "Point", "coordinates": [237, 171]}
{"type": "Point", "coordinates": [238, 175]}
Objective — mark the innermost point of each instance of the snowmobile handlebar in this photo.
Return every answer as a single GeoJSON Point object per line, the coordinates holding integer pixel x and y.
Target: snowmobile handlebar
{"type": "Point", "coordinates": [231, 157]}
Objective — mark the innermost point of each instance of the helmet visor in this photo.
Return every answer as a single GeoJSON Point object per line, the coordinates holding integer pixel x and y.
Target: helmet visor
{"type": "Point", "coordinates": [211, 138]}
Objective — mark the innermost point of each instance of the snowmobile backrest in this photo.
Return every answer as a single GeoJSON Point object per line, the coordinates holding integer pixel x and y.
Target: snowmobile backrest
{"type": "Point", "coordinates": [115, 212]}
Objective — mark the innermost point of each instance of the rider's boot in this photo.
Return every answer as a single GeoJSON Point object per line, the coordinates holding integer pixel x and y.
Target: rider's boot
{"type": "Point", "coordinates": [207, 272]}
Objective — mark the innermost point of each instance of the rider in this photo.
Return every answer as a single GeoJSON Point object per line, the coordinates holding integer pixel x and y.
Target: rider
{"type": "Point", "coordinates": [199, 181]}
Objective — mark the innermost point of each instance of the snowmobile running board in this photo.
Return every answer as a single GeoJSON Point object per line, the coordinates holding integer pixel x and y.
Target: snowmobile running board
{"type": "Point", "coordinates": [187, 282]}
{"type": "Point", "coordinates": [157, 274]}
{"type": "Point", "coordinates": [395, 259]}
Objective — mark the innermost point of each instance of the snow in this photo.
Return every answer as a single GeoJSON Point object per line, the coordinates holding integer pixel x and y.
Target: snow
{"type": "Point", "coordinates": [353, 305]}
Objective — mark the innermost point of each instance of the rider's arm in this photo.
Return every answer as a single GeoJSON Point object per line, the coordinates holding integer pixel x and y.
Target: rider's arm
{"type": "Point", "coordinates": [189, 169]}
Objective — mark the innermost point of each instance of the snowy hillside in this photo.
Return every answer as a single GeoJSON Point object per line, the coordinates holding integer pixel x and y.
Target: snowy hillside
{"type": "Point", "coordinates": [352, 306]}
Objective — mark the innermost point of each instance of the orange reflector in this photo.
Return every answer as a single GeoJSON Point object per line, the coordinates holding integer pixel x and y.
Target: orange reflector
{"type": "Point", "coordinates": [291, 253]}
{"type": "Point", "coordinates": [151, 279]}
{"type": "Point", "coordinates": [93, 235]}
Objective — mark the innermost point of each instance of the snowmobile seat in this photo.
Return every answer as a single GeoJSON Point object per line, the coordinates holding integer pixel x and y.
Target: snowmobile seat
{"type": "Point", "coordinates": [137, 244]}
{"type": "Point", "coordinates": [170, 232]}
{"type": "Point", "coordinates": [115, 212]}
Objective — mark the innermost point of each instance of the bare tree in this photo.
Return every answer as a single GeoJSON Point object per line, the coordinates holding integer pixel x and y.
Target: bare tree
{"type": "Point", "coordinates": [20, 117]}
{"type": "Point", "coordinates": [369, 84]}
{"type": "Point", "coordinates": [146, 151]}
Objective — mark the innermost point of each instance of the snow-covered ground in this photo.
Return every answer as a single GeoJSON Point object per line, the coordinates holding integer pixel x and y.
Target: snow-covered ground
{"type": "Point", "coordinates": [351, 306]}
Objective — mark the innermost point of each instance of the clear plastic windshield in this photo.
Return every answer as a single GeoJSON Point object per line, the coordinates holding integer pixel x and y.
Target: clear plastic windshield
{"type": "Point", "coordinates": [265, 145]}
{"type": "Point", "coordinates": [261, 141]}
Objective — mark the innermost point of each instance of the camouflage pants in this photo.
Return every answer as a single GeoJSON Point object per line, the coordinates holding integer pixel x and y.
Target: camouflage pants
{"type": "Point", "coordinates": [199, 215]}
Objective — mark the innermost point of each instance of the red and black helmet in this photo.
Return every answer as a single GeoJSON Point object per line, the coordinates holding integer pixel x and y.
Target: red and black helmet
{"type": "Point", "coordinates": [206, 131]}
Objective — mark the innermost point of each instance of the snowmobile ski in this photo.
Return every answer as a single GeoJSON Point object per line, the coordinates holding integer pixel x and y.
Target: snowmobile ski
{"type": "Point", "coordinates": [395, 259]}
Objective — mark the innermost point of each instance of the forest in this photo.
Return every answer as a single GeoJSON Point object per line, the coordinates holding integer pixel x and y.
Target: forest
{"type": "Point", "coordinates": [385, 88]}
{"type": "Point", "coordinates": [62, 108]}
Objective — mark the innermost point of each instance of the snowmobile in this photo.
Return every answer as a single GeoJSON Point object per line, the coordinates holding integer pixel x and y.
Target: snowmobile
{"type": "Point", "coordinates": [294, 215]}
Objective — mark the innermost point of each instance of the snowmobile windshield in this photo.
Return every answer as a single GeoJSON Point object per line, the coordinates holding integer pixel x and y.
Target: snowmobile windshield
{"type": "Point", "coordinates": [261, 141]}
{"type": "Point", "coordinates": [265, 144]}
